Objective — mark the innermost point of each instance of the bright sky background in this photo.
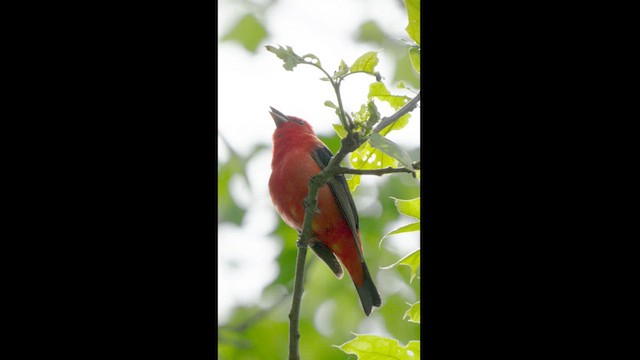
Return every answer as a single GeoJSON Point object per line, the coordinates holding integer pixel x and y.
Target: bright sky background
{"type": "Point", "coordinates": [249, 83]}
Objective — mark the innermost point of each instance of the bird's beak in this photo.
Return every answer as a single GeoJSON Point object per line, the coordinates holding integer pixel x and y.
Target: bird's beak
{"type": "Point", "coordinates": [278, 117]}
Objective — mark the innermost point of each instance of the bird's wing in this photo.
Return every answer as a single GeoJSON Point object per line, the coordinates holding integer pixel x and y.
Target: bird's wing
{"type": "Point", "coordinates": [327, 256]}
{"type": "Point", "coordinates": [338, 185]}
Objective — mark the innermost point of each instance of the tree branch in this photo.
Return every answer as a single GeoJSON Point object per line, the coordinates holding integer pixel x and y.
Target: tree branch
{"type": "Point", "coordinates": [349, 143]}
{"type": "Point", "coordinates": [378, 172]}
{"type": "Point", "coordinates": [294, 314]}
{"type": "Point", "coordinates": [393, 118]}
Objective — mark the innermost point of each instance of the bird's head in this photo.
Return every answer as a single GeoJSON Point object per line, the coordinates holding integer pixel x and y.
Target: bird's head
{"type": "Point", "coordinates": [286, 123]}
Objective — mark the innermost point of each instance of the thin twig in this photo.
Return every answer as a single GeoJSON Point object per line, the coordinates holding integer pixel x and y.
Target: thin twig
{"type": "Point", "coordinates": [405, 109]}
{"type": "Point", "coordinates": [294, 315]}
{"type": "Point", "coordinates": [379, 172]}
{"type": "Point", "coordinates": [347, 123]}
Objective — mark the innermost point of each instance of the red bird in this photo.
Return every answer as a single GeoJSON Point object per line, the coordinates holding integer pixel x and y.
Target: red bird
{"type": "Point", "coordinates": [298, 155]}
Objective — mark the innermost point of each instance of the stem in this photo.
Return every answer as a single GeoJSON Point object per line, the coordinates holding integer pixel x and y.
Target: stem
{"type": "Point", "coordinates": [336, 88]}
{"type": "Point", "coordinates": [358, 72]}
{"type": "Point", "coordinates": [294, 315]}
{"type": "Point", "coordinates": [405, 109]}
{"type": "Point", "coordinates": [378, 172]}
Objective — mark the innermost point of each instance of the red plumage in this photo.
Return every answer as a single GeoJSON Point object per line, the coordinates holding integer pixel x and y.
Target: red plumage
{"type": "Point", "coordinates": [298, 155]}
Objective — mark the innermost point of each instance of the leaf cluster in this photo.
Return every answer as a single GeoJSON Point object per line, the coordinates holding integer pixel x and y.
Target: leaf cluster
{"type": "Point", "coordinates": [375, 152]}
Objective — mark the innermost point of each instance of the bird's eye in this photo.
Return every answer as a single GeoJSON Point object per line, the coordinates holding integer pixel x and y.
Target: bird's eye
{"type": "Point", "coordinates": [298, 121]}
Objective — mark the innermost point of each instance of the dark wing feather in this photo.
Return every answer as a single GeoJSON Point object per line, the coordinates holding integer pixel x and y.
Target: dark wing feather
{"type": "Point", "coordinates": [327, 256]}
{"type": "Point", "coordinates": [338, 185]}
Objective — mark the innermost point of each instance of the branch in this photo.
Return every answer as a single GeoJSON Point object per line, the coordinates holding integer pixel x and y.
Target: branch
{"type": "Point", "coordinates": [349, 143]}
{"type": "Point", "coordinates": [347, 123]}
{"type": "Point", "coordinates": [294, 315]}
{"type": "Point", "coordinates": [393, 118]}
{"type": "Point", "coordinates": [378, 172]}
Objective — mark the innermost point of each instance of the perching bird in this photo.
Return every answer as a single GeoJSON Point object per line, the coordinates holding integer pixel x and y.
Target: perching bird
{"type": "Point", "coordinates": [298, 155]}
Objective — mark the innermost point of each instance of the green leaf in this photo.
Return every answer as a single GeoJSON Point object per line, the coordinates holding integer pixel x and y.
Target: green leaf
{"type": "Point", "coordinates": [414, 56]}
{"type": "Point", "coordinates": [390, 148]}
{"type": "Point", "coordinates": [380, 91]}
{"type": "Point", "coordinates": [374, 114]}
{"type": "Point", "coordinates": [412, 260]}
{"type": "Point", "coordinates": [406, 228]}
{"type": "Point", "coordinates": [248, 31]}
{"type": "Point", "coordinates": [342, 133]}
{"type": "Point", "coordinates": [311, 59]}
{"type": "Point", "coordinates": [396, 125]}
{"type": "Point", "coordinates": [361, 116]}
{"type": "Point", "coordinates": [330, 104]}
{"type": "Point", "coordinates": [413, 12]}
{"type": "Point", "coordinates": [342, 70]}
{"type": "Point", "coordinates": [353, 182]}
{"type": "Point", "coordinates": [373, 347]}
{"type": "Point", "coordinates": [366, 117]}
{"type": "Point", "coordinates": [366, 62]}
{"type": "Point", "coordinates": [413, 313]}
{"type": "Point", "coordinates": [290, 58]}
{"type": "Point", "coordinates": [402, 229]}
{"type": "Point", "coordinates": [409, 207]}
{"type": "Point", "coordinates": [368, 157]}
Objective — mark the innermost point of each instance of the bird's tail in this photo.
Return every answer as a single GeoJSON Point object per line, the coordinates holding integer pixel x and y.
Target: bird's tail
{"type": "Point", "coordinates": [368, 293]}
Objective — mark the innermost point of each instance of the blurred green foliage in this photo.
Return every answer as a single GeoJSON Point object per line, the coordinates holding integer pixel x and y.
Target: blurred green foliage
{"type": "Point", "coordinates": [228, 210]}
{"type": "Point", "coordinates": [255, 332]}
{"type": "Point", "coordinates": [370, 32]}
{"type": "Point", "coordinates": [248, 32]}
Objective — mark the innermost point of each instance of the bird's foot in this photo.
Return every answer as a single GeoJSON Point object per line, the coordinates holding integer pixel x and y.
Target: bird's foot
{"type": "Point", "coordinates": [310, 242]}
